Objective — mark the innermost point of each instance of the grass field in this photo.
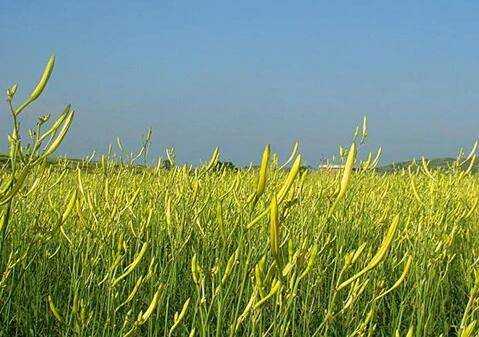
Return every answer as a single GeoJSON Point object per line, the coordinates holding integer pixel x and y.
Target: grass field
{"type": "Point", "coordinates": [113, 252]}
{"type": "Point", "coordinates": [112, 249]}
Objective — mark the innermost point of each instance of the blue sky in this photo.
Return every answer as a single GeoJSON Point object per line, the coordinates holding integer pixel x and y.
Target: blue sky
{"type": "Point", "coordinates": [245, 73]}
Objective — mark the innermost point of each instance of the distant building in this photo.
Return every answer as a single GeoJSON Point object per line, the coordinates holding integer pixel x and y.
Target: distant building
{"type": "Point", "coordinates": [330, 167]}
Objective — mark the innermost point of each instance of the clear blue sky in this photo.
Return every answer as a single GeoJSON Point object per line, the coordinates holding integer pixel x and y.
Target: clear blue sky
{"type": "Point", "coordinates": [245, 73]}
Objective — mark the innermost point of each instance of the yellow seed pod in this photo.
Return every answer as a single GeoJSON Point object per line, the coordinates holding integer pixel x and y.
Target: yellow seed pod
{"type": "Point", "coordinates": [410, 332]}
{"type": "Point", "coordinates": [348, 169]}
{"type": "Point", "coordinates": [79, 182]}
{"type": "Point", "coordinates": [214, 159]}
{"type": "Point", "coordinates": [378, 257]}
{"type": "Point", "coordinates": [152, 305]}
{"type": "Point", "coordinates": [135, 289]}
{"type": "Point", "coordinates": [358, 252]}
{"type": "Point", "coordinates": [471, 164]}
{"type": "Point", "coordinates": [69, 206]}
{"type": "Point", "coordinates": [400, 279]}
{"type": "Point", "coordinates": [413, 187]}
{"type": "Point", "coordinates": [178, 317]}
{"type": "Point", "coordinates": [289, 179]}
{"type": "Point", "coordinates": [168, 216]}
{"type": "Point", "coordinates": [263, 170]}
{"type": "Point", "coordinates": [309, 265]}
{"type": "Point", "coordinates": [247, 309]}
{"type": "Point", "coordinates": [468, 330]}
{"type": "Point", "coordinates": [274, 234]}
{"type": "Point", "coordinates": [284, 189]}
{"type": "Point", "coordinates": [276, 287]}
{"type": "Point", "coordinates": [57, 141]}
{"type": "Point", "coordinates": [229, 266]}
{"type": "Point", "coordinates": [376, 159]}
{"type": "Point", "coordinates": [132, 265]}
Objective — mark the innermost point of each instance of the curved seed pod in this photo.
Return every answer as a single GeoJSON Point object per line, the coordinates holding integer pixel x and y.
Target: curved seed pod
{"type": "Point", "coordinates": [56, 143]}
{"type": "Point", "coordinates": [33, 187]}
{"type": "Point", "coordinates": [57, 123]}
{"type": "Point", "coordinates": [357, 253]}
{"type": "Point", "coordinates": [410, 332]}
{"type": "Point", "coordinates": [168, 215]}
{"type": "Point", "coordinates": [259, 276]}
{"type": "Point", "coordinates": [229, 265]}
{"type": "Point", "coordinates": [469, 213]}
{"type": "Point", "coordinates": [289, 179]}
{"type": "Point", "coordinates": [282, 193]}
{"type": "Point", "coordinates": [214, 159]}
{"type": "Point", "coordinates": [413, 186]}
{"type": "Point", "coordinates": [294, 152]}
{"type": "Point", "coordinates": [471, 164]}
{"type": "Point", "coordinates": [39, 87]}
{"type": "Point", "coordinates": [274, 234]}
{"type": "Point", "coordinates": [62, 230]}
{"type": "Point", "coordinates": [425, 168]}
{"type": "Point", "coordinates": [132, 265]}
{"type": "Point", "coordinates": [365, 165]}
{"type": "Point", "coordinates": [376, 159]}
{"type": "Point", "coordinates": [364, 132]}
{"type": "Point", "coordinates": [356, 133]}
{"type": "Point", "coordinates": [400, 279]}
{"type": "Point", "coordinates": [348, 169]}
{"type": "Point", "coordinates": [152, 305]}
{"type": "Point", "coordinates": [54, 310]}
{"type": "Point", "coordinates": [8, 183]}
{"type": "Point", "coordinates": [247, 309]}
{"type": "Point", "coordinates": [44, 79]}
{"type": "Point", "coordinates": [309, 265]}
{"type": "Point", "coordinates": [170, 155]}
{"type": "Point", "coordinates": [276, 286]}
{"type": "Point", "coordinates": [19, 183]}
{"type": "Point", "coordinates": [69, 206]}
{"type": "Point", "coordinates": [468, 331]}
{"type": "Point", "coordinates": [179, 317]}
{"type": "Point", "coordinates": [80, 183]}
{"type": "Point", "coordinates": [378, 257]}
{"type": "Point", "coordinates": [196, 270]}
{"type": "Point", "coordinates": [263, 170]}
{"type": "Point", "coordinates": [473, 152]}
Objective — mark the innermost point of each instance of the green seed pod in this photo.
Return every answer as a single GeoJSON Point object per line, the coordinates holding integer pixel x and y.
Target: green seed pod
{"type": "Point", "coordinates": [152, 306]}
{"type": "Point", "coordinates": [11, 92]}
{"type": "Point", "coordinates": [54, 310]}
{"type": "Point", "coordinates": [178, 317]}
{"type": "Point", "coordinates": [43, 80]}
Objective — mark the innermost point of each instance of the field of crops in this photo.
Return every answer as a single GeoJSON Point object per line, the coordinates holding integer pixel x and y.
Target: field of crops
{"type": "Point", "coordinates": [115, 252]}
{"type": "Point", "coordinates": [111, 249]}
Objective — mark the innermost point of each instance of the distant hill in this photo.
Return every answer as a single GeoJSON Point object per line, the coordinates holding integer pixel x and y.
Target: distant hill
{"type": "Point", "coordinates": [434, 164]}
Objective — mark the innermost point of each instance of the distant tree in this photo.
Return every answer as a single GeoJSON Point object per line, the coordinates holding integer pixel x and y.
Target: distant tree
{"type": "Point", "coordinates": [225, 165]}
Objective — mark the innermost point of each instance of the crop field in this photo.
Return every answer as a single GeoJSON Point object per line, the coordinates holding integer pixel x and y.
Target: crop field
{"type": "Point", "coordinates": [112, 249]}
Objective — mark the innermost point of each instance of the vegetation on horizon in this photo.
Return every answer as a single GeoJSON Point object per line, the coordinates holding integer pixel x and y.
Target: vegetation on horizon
{"type": "Point", "coordinates": [209, 251]}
